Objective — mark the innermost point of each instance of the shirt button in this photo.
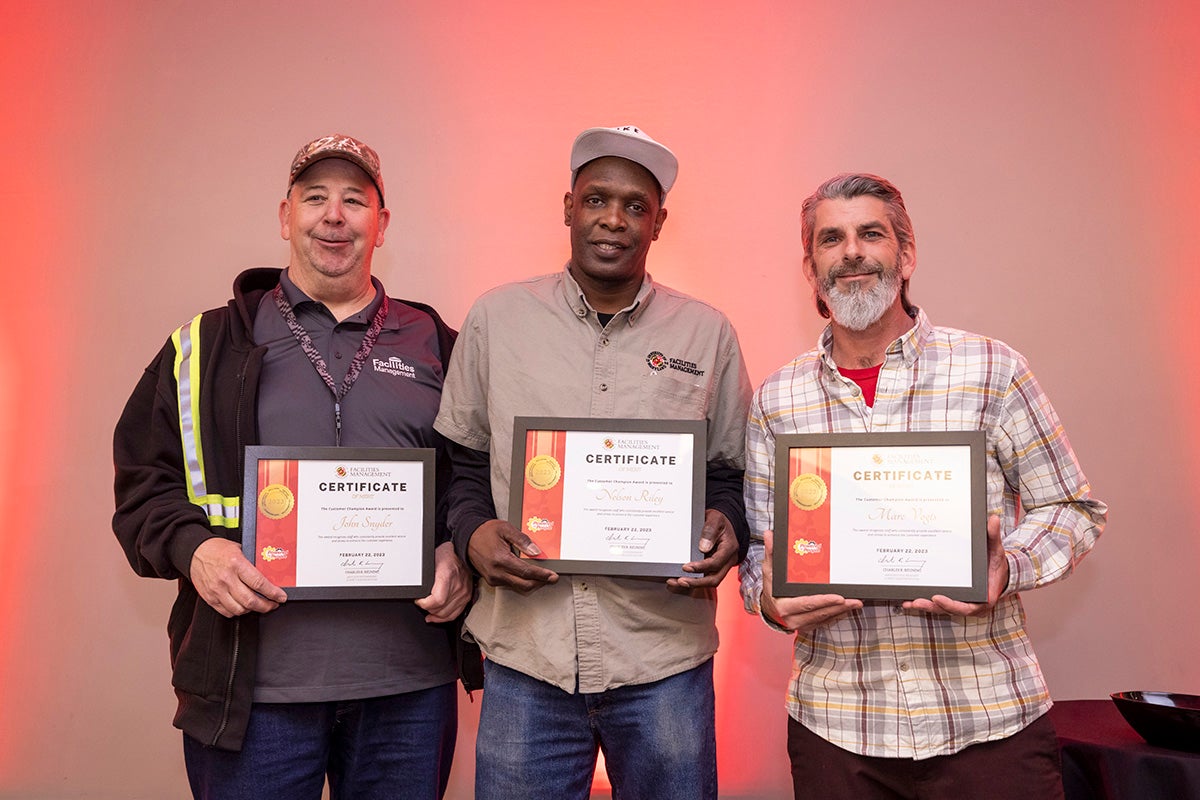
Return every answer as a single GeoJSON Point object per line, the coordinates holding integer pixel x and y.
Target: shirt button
{"type": "Point", "coordinates": [897, 609]}
{"type": "Point", "coordinates": [604, 387]}
{"type": "Point", "coordinates": [904, 667]}
{"type": "Point", "coordinates": [583, 586]}
{"type": "Point", "coordinates": [604, 342]}
{"type": "Point", "coordinates": [337, 355]}
{"type": "Point", "coordinates": [582, 312]}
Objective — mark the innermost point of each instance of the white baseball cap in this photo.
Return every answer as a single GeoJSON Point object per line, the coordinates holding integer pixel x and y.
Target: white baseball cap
{"type": "Point", "coordinates": [626, 141]}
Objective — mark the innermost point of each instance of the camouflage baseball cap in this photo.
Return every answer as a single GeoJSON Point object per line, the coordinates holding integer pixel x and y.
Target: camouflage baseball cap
{"type": "Point", "coordinates": [340, 146]}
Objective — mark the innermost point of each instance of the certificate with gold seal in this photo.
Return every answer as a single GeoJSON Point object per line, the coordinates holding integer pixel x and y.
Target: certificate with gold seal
{"type": "Point", "coordinates": [610, 496]}
{"type": "Point", "coordinates": [881, 516]}
{"type": "Point", "coordinates": [340, 522]}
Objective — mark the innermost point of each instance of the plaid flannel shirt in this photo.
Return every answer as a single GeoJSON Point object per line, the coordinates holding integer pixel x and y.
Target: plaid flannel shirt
{"type": "Point", "coordinates": [888, 682]}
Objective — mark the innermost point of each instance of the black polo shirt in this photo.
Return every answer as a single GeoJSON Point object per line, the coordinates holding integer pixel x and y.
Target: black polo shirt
{"type": "Point", "coordinates": [315, 650]}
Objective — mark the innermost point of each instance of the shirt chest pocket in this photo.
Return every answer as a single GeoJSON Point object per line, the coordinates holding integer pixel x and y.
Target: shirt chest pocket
{"type": "Point", "coordinates": [665, 397]}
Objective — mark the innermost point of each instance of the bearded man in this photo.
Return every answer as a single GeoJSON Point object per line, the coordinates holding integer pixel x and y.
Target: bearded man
{"type": "Point", "coordinates": [929, 697]}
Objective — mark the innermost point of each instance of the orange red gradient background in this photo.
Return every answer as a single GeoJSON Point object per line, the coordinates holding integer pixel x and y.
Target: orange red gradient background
{"type": "Point", "coordinates": [1047, 153]}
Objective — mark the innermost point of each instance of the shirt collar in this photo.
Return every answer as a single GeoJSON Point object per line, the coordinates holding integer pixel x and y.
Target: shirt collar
{"type": "Point", "coordinates": [908, 345]}
{"type": "Point", "coordinates": [296, 296]}
{"type": "Point", "coordinates": [582, 308]}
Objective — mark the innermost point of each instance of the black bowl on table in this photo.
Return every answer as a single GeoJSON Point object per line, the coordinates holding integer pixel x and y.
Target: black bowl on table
{"type": "Point", "coordinates": [1164, 719]}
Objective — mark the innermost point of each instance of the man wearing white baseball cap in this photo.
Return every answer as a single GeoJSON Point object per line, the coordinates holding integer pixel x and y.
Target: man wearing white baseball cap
{"type": "Point", "coordinates": [579, 663]}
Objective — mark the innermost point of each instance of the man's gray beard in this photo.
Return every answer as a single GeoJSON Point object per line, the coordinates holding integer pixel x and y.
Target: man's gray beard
{"type": "Point", "coordinates": [858, 309]}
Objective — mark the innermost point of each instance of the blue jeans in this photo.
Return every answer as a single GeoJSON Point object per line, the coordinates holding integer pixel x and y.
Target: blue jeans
{"type": "Point", "coordinates": [399, 746]}
{"type": "Point", "coordinates": [537, 741]}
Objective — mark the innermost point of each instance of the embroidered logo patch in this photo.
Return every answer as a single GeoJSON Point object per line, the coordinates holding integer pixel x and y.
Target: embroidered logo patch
{"type": "Point", "coordinates": [394, 366]}
{"type": "Point", "coordinates": [658, 362]}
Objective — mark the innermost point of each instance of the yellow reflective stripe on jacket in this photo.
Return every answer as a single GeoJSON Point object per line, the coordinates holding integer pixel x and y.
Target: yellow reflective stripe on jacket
{"type": "Point", "coordinates": [222, 511]}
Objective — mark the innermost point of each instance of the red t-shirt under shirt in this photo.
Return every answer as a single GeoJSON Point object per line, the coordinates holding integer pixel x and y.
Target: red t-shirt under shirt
{"type": "Point", "coordinates": [866, 380]}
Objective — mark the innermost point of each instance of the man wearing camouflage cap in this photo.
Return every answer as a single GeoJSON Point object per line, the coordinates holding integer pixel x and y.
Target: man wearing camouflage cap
{"type": "Point", "coordinates": [274, 695]}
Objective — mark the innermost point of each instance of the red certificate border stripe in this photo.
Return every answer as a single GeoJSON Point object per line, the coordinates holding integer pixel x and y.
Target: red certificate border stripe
{"type": "Point", "coordinates": [544, 505]}
{"type": "Point", "coordinates": [808, 535]}
{"type": "Point", "coordinates": [276, 538]}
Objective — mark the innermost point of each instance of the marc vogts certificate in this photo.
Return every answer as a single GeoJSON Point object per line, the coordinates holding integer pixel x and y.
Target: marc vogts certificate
{"type": "Point", "coordinates": [901, 516]}
{"type": "Point", "coordinates": [888, 516]}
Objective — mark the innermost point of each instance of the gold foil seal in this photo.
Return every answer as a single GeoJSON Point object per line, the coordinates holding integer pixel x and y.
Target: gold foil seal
{"type": "Point", "coordinates": [276, 501]}
{"type": "Point", "coordinates": [808, 491]}
{"type": "Point", "coordinates": [543, 472]}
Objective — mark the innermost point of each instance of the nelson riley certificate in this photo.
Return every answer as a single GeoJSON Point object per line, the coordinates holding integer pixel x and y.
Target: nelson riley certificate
{"type": "Point", "coordinates": [890, 516]}
{"type": "Point", "coordinates": [339, 522]}
{"type": "Point", "coordinates": [610, 497]}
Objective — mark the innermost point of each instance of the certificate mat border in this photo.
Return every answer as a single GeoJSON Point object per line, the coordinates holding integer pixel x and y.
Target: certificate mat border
{"type": "Point", "coordinates": [976, 440]}
{"type": "Point", "coordinates": [698, 429]}
{"type": "Point", "coordinates": [256, 453]}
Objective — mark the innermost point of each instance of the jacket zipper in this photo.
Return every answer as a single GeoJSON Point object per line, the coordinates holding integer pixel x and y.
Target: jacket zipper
{"type": "Point", "coordinates": [237, 629]}
{"type": "Point", "coordinates": [237, 623]}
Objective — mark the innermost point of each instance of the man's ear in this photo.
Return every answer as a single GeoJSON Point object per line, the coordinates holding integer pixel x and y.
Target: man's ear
{"type": "Point", "coordinates": [285, 211]}
{"type": "Point", "coordinates": [385, 216]}
{"type": "Point", "coordinates": [810, 272]}
{"type": "Point", "coordinates": [908, 260]}
{"type": "Point", "coordinates": [658, 223]}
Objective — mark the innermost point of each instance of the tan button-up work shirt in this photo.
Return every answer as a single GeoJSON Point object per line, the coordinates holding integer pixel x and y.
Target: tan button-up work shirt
{"type": "Point", "coordinates": [536, 348]}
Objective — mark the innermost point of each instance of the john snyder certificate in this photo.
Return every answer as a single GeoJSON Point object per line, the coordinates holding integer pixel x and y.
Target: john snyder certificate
{"type": "Point", "coordinates": [340, 524]}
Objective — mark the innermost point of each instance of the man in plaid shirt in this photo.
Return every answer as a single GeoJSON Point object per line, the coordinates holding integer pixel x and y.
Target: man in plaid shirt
{"type": "Point", "coordinates": [930, 697]}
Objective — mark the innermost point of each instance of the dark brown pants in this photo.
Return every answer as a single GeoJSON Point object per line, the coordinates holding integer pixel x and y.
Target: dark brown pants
{"type": "Point", "coordinates": [1025, 766]}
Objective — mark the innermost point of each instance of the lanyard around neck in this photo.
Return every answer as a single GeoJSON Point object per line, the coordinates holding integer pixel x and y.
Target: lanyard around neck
{"type": "Point", "coordinates": [306, 344]}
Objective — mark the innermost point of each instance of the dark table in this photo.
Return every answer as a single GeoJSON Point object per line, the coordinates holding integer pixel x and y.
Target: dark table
{"type": "Point", "coordinates": [1105, 759]}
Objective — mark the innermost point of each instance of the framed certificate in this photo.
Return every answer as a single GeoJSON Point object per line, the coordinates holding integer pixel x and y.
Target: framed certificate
{"type": "Point", "coordinates": [610, 496]}
{"type": "Point", "coordinates": [881, 516]}
{"type": "Point", "coordinates": [337, 523]}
